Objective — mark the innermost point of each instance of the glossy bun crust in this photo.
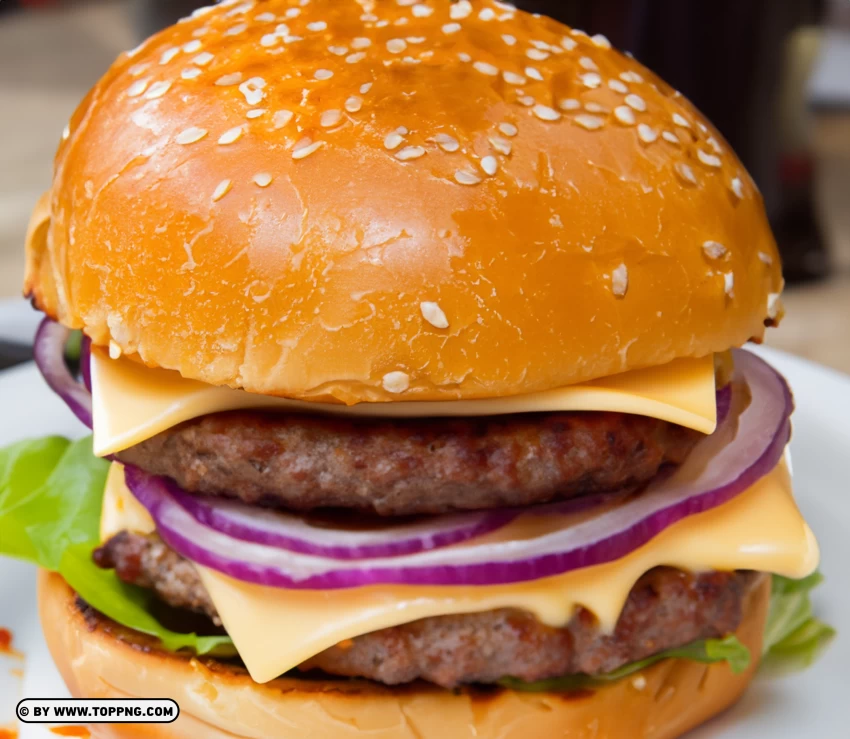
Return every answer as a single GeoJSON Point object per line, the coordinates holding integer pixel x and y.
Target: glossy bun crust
{"type": "Point", "coordinates": [99, 659]}
{"type": "Point", "coordinates": [433, 201]}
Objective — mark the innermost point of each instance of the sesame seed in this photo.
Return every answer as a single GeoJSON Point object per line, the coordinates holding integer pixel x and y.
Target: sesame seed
{"type": "Point", "coordinates": [710, 160]}
{"type": "Point", "coordinates": [281, 29]}
{"type": "Point", "coordinates": [252, 89]}
{"type": "Point", "coordinates": [686, 173]}
{"type": "Point", "coordinates": [671, 137]}
{"type": "Point", "coordinates": [354, 58]}
{"type": "Point", "coordinates": [410, 152]}
{"type": "Point", "coordinates": [537, 55]}
{"type": "Point", "coordinates": [317, 26]}
{"type": "Point", "coordinates": [620, 281]}
{"type": "Point", "coordinates": [432, 313]}
{"type": "Point", "coordinates": [487, 14]}
{"type": "Point", "coordinates": [738, 188]}
{"type": "Point", "coordinates": [157, 90]}
{"type": "Point", "coordinates": [338, 50]}
{"type": "Point", "coordinates": [66, 132]}
{"type": "Point", "coordinates": [256, 113]}
{"type": "Point", "coordinates": [601, 41]}
{"type": "Point", "coordinates": [281, 118]}
{"type": "Point", "coordinates": [365, 88]}
{"type": "Point", "coordinates": [190, 73]}
{"type": "Point", "coordinates": [508, 39]}
{"type": "Point", "coordinates": [393, 141]}
{"type": "Point", "coordinates": [569, 104]}
{"type": "Point", "coordinates": [270, 39]}
{"type": "Point", "coordinates": [534, 74]}
{"type": "Point", "coordinates": [361, 43]}
{"type": "Point", "coordinates": [460, 10]}
{"type": "Point", "coordinates": [591, 80]}
{"type": "Point", "coordinates": [422, 11]}
{"type": "Point", "coordinates": [766, 258]}
{"type": "Point", "coordinates": [713, 249]}
{"type": "Point", "coordinates": [416, 39]}
{"type": "Point", "coordinates": [568, 43]}
{"type": "Point", "coordinates": [625, 115]}
{"type": "Point", "coordinates": [647, 134]}
{"type": "Point", "coordinates": [138, 69]}
{"type": "Point", "coordinates": [405, 3]}
{"type": "Point", "coordinates": [618, 86]}
{"type": "Point", "coordinates": [446, 142]}
{"type": "Point", "coordinates": [203, 59]}
{"type": "Point", "coordinates": [512, 78]}
{"type": "Point", "coordinates": [774, 305]}
{"type": "Point", "coordinates": [545, 113]}
{"type": "Point", "coordinates": [353, 104]}
{"type": "Point", "coordinates": [168, 55]}
{"type": "Point", "coordinates": [587, 63]}
{"type": "Point", "coordinates": [729, 284]}
{"type": "Point", "coordinates": [221, 190]}
{"type": "Point", "coordinates": [680, 121]}
{"type": "Point", "coordinates": [331, 118]}
{"type": "Point", "coordinates": [265, 17]}
{"type": "Point", "coordinates": [639, 682]}
{"type": "Point", "coordinates": [486, 68]}
{"type": "Point", "coordinates": [231, 136]}
{"type": "Point", "coordinates": [304, 148]}
{"type": "Point", "coordinates": [464, 57]}
{"type": "Point", "coordinates": [712, 142]}
{"type": "Point", "coordinates": [190, 135]}
{"type": "Point", "coordinates": [526, 100]}
{"type": "Point", "coordinates": [592, 107]}
{"type": "Point", "coordinates": [503, 146]}
{"type": "Point", "coordinates": [465, 177]}
{"type": "Point", "coordinates": [229, 79]}
{"type": "Point", "coordinates": [451, 28]}
{"type": "Point", "coordinates": [541, 45]}
{"type": "Point", "coordinates": [509, 129]}
{"type": "Point", "coordinates": [396, 45]}
{"type": "Point", "coordinates": [396, 382]}
{"type": "Point", "coordinates": [323, 74]}
{"type": "Point", "coordinates": [192, 46]}
{"type": "Point", "coordinates": [490, 165]}
{"type": "Point", "coordinates": [236, 30]}
{"type": "Point", "coordinates": [590, 122]}
{"type": "Point", "coordinates": [631, 77]}
{"type": "Point", "coordinates": [293, 12]}
{"type": "Point", "coordinates": [636, 102]}
{"type": "Point", "coordinates": [264, 179]}
{"type": "Point", "coordinates": [114, 350]}
{"type": "Point", "coordinates": [137, 88]}
{"type": "Point", "coordinates": [402, 130]}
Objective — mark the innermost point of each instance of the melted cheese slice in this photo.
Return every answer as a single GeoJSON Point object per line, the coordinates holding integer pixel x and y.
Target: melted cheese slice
{"type": "Point", "coordinates": [274, 630]}
{"type": "Point", "coordinates": [132, 402]}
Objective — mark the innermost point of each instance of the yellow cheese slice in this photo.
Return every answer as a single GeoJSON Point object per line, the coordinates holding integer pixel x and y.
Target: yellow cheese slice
{"type": "Point", "coordinates": [274, 630]}
{"type": "Point", "coordinates": [132, 402]}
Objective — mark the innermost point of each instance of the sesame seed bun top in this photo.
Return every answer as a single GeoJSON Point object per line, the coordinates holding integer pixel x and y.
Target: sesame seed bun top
{"type": "Point", "coordinates": [351, 200]}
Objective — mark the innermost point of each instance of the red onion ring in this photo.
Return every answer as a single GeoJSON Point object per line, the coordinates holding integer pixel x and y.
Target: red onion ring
{"type": "Point", "coordinates": [49, 354]}
{"type": "Point", "coordinates": [293, 533]}
{"type": "Point", "coordinates": [746, 446]}
{"type": "Point", "coordinates": [85, 361]}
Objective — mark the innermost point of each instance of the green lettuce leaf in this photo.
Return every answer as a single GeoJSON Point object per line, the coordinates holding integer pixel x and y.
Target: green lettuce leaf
{"type": "Point", "coordinates": [793, 637]}
{"type": "Point", "coordinates": [708, 651]}
{"type": "Point", "coordinates": [51, 492]}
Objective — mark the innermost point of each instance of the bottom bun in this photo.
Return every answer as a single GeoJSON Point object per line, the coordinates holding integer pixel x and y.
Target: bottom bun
{"type": "Point", "coordinates": [101, 659]}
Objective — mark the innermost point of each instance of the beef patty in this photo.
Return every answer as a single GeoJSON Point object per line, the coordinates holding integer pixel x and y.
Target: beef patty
{"type": "Point", "coordinates": [412, 466]}
{"type": "Point", "coordinates": [666, 608]}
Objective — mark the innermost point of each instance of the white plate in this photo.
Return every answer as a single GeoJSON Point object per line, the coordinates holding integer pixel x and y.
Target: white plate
{"type": "Point", "coordinates": [807, 704]}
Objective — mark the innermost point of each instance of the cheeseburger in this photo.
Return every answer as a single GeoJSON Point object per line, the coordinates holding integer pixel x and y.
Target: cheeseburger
{"type": "Point", "coordinates": [411, 354]}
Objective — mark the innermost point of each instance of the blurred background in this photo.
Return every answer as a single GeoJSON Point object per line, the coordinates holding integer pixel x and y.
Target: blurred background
{"type": "Point", "coordinates": [773, 75]}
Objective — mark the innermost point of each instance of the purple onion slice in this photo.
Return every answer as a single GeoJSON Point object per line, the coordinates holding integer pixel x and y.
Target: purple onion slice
{"type": "Point", "coordinates": [295, 533]}
{"type": "Point", "coordinates": [747, 445]}
{"type": "Point", "coordinates": [49, 353]}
